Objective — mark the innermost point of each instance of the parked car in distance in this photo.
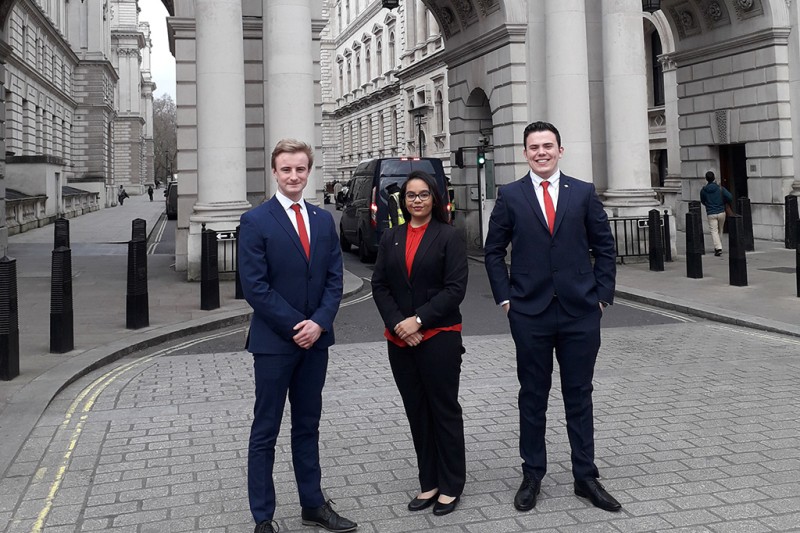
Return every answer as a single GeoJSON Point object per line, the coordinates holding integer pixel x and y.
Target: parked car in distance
{"type": "Point", "coordinates": [365, 213]}
{"type": "Point", "coordinates": [171, 195]}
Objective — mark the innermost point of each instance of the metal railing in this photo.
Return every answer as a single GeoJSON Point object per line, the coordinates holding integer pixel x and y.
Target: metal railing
{"type": "Point", "coordinates": [631, 236]}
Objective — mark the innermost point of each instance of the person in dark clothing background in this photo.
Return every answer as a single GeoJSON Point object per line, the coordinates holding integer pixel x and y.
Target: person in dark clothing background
{"type": "Point", "coordinates": [714, 197]}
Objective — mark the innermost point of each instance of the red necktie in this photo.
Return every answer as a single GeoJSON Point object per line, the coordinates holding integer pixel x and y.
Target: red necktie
{"type": "Point", "coordinates": [549, 208]}
{"type": "Point", "coordinates": [301, 229]}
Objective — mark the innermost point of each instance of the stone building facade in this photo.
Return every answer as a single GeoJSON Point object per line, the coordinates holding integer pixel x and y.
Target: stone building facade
{"type": "Point", "coordinates": [60, 89]}
{"type": "Point", "coordinates": [646, 102]}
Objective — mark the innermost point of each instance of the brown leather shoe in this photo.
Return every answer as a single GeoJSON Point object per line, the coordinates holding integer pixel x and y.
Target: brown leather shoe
{"type": "Point", "coordinates": [597, 494]}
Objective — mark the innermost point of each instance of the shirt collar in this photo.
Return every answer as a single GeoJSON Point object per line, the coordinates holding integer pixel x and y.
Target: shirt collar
{"type": "Point", "coordinates": [287, 203]}
{"type": "Point", "coordinates": [537, 180]}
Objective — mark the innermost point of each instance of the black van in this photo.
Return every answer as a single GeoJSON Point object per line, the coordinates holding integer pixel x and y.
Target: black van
{"type": "Point", "coordinates": [365, 212]}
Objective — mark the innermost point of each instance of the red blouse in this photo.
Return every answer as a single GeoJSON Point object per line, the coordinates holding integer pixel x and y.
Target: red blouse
{"type": "Point", "coordinates": [413, 239]}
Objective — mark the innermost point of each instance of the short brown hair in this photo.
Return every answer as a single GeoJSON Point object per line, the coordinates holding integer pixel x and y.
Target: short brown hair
{"type": "Point", "coordinates": [291, 146]}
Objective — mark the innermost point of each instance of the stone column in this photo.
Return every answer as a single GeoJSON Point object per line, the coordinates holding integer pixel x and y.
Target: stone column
{"type": "Point", "coordinates": [670, 70]}
{"type": "Point", "coordinates": [794, 90]}
{"type": "Point", "coordinates": [419, 20]}
{"type": "Point", "coordinates": [221, 165]}
{"type": "Point", "coordinates": [567, 67]}
{"type": "Point", "coordinates": [289, 80]}
{"type": "Point", "coordinates": [625, 86]}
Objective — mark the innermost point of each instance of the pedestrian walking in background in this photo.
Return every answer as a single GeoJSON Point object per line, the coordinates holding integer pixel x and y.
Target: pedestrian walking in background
{"type": "Point", "coordinates": [291, 272]}
{"type": "Point", "coordinates": [419, 282]}
{"type": "Point", "coordinates": [150, 192]}
{"type": "Point", "coordinates": [121, 195]}
{"type": "Point", "coordinates": [716, 198]}
{"type": "Point", "coordinates": [554, 298]}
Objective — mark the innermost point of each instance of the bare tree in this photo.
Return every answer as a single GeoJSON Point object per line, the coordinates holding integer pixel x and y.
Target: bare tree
{"type": "Point", "coordinates": [165, 137]}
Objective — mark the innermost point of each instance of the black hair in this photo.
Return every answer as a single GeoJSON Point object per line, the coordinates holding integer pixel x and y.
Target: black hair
{"type": "Point", "coordinates": [540, 126]}
{"type": "Point", "coordinates": [709, 176]}
{"type": "Point", "coordinates": [439, 208]}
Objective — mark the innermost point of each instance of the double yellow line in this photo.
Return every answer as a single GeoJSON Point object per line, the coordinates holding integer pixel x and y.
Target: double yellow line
{"type": "Point", "coordinates": [82, 405]}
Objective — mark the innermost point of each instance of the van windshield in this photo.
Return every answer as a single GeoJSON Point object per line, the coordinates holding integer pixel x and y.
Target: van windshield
{"type": "Point", "coordinates": [403, 167]}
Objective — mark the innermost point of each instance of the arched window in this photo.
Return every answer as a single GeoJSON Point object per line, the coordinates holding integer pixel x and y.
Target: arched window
{"type": "Point", "coordinates": [658, 72]}
{"type": "Point", "coordinates": [439, 112]}
{"type": "Point", "coordinates": [339, 16]}
{"type": "Point", "coordinates": [379, 57]}
{"type": "Point", "coordinates": [349, 76]}
{"type": "Point", "coordinates": [392, 59]}
{"type": "Point", "coordinates": [367, 63]}
{"type": "Point", "coordinates": [341, 79]}
{"type": "Point", "coordinates": [358, 69]}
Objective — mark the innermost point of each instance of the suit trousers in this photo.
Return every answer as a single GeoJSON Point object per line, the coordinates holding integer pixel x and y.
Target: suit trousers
{"type": "Point", "coordinates": [576, 341]}
{"type": "Point", "coordinates": [302, 375]}
{"type": "Point", "coordinates": [427, 377]}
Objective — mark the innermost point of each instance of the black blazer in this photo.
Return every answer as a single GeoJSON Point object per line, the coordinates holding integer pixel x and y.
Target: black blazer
{"type": "Point", "coordinates": [438, 279]}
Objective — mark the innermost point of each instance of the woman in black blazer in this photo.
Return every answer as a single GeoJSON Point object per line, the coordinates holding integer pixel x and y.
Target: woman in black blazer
{"type": "Point", "coordinates": [419, 281]}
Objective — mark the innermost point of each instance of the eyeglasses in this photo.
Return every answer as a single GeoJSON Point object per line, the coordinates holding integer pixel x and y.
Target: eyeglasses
{"type": "Point", "coordinates": [423, 196]}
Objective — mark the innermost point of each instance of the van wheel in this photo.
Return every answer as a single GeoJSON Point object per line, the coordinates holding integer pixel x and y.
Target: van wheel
{"type": "Point", "coordinates": [363, 251]}
{"type": "Point", "coordinates": [343, 242]}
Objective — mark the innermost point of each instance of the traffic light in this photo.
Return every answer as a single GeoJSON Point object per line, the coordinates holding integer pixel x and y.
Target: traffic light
{"type": "Point", "coordinates": [460, 158]}
{"type": "Point", "coordinates": [481, 158]}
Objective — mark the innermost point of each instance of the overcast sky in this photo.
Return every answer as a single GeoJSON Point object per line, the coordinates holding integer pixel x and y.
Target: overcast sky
{"type": "Point", "coordinates": [162, 64]}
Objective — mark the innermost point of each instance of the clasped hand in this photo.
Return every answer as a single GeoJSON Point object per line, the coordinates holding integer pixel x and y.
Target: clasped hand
{"type": "Point", "coordinates": [308, 332]}
{"type": "Point", "coordinates": [408, 331]}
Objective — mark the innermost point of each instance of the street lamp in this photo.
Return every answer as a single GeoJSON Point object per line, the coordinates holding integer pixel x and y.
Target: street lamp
{"type": "Point", "coordinates": [419, 117]}
{"type": "Point", "coordinates": [651, 6]}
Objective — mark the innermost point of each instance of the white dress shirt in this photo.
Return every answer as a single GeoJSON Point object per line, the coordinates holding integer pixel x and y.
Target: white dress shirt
{"type": "Point", "coordinates": [287, 204]}
{"type": "Point", "coordinates": [552, 189]}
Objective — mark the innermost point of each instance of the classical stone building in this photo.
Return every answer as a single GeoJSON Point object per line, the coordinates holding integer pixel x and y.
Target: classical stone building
{"type": "Point", "coordinates": [68, 107]}
{"type": "Point", "coordinates": [646, 102]}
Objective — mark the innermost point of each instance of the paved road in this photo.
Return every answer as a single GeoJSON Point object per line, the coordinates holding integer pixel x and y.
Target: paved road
{"type": "Point", "coordinates": [698, 425]}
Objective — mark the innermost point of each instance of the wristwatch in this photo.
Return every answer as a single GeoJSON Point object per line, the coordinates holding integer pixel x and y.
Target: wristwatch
{"type": "Point", "coordinates": [419, 320]}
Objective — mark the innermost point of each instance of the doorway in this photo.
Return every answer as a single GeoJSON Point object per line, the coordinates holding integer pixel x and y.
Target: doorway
{"type": "Point", "coordinates": [733, 169]}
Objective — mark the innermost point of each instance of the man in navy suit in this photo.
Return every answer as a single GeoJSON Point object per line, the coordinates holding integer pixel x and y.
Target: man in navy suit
{"type": "Point", "coordinates": [554, 297]}
{"type": "Point", "coordinates": [290, 267]}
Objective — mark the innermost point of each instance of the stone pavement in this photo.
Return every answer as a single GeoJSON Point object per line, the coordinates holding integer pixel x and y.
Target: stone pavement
{"type": "Point", "coordinates": [693, 436]}
{"type": "Point", "coordinates": [99, 265]}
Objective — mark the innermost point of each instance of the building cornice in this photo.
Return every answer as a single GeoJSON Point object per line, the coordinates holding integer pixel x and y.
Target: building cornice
{"type": "Point", "coordinates": [736, 45]}
{"type": "Point", "coordinates": [488, 42]}
{"type": "Point", "coordinates": [384, 93]}
{"type": "Point", "coordinates": [45, 25]}
{"type": "Point", "coordinates": [422, 67]}
{"type": "Point", "coordinates": [23, 68]}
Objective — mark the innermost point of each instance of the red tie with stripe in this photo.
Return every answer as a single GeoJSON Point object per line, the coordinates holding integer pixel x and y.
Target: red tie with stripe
{"type": "Point", "coordinates": [301, 230]}
{"type": "Point", "coordinates": [549, 208]}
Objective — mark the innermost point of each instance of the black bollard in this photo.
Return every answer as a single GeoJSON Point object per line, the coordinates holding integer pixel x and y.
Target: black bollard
{"type": "Point", "coordinates": [61, 231]}
{"type": "Point", "coordinates": [9, 320]}
{"type": "Point", "coordinates": [137, 310]}
{"type": "Point", "coordinates": [738, 261]}
{"type": "Point", "coordinates": [667, 238]}
{"type": "Point", "coordinates": [656, 251]}
{"type": "Point", "coordinates": [747, 223]}
{"type": "Point", "coordinates": [695, 207]}
{"type": "Point", "coordinates": [238, 287]}
{"type": "Point", "coordinates": [797, 254]}
{"type": "Point", "coordinates": [792, 215]}
{"type": "Point", "coordinates": [139, 229]}
{"type": "Point", "coordinates": [61, 326]}
{"type": "Point", "coordinates": [209, 271]}
{"type": "Point", "coordinates": [694, 257]}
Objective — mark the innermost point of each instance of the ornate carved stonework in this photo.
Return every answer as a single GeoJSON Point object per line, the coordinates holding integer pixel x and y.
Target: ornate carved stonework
{"type": "Point", "coordinates": [465, 10]}
{"type": "Point", "coordinates": [446, 19]}
{"type": "Point", "coordinates": [685, 19]}
{"type": "Point", "coordinates": [748, 8]}
{"type": "Point", "coordinates": [714, 11]}
{"type": "Point", "coordinates": [722, 126]}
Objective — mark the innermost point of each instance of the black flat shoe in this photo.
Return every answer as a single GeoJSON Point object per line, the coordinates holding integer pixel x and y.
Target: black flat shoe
{"type": "Point", "coordinates": [441, 509]}
{"type": "Point", "coordinates": [418, 504]}
{"type": "Point", "coordinates": [597, 494]}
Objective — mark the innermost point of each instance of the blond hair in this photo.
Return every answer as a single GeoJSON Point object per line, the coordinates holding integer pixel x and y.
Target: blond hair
{"type": "Point", "coordinates": [292, 146]}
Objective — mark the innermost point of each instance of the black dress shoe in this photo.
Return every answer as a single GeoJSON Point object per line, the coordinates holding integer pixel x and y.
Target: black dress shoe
{"type": "Point", "coordinates": [418, 504]}
{"type": "Point", "coordinates": [717, 252]}
{"type": "Point", "coordinates": [441, 509]}
{"type": "Point", "coordinates": [525, 500]}
{"type": "Point", "coordinates": [266, 527]}
{"type": "Point", "coordinates": [326, 517]}
{"type": "Point", "coordinates": [596, 493]}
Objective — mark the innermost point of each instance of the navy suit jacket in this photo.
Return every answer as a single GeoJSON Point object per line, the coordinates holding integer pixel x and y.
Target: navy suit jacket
{"type": "Point", "coordinates": [283, 286]}
{"type": "Point", "coordinates": [544, 265]}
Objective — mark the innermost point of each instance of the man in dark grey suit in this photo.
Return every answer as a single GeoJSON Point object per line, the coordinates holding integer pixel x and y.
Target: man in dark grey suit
{"type": "Point", "coordinates": [554, 297]}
